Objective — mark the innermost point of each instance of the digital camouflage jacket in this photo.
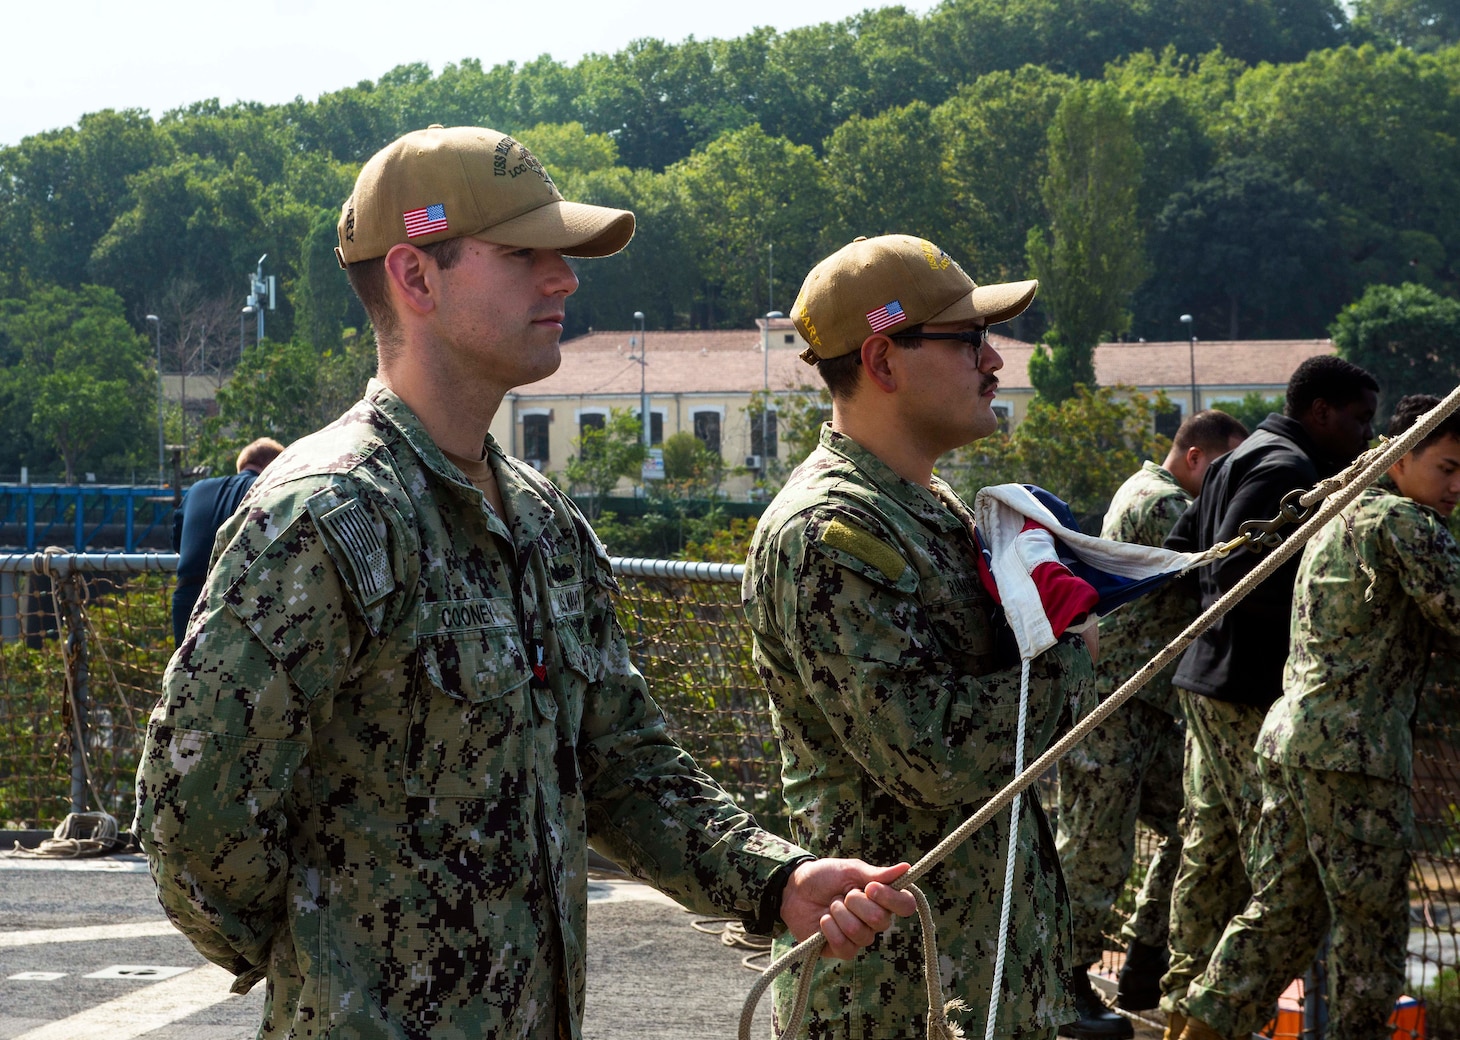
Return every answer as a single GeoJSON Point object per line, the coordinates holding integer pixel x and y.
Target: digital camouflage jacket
{"type": "Point", "coordinates": [387, 736]}
{"type": "Point", "coordinates": [1375, 590]}
{"type": "Point", "coordinates": [1143, 512]}
{"type": "Point", "coordinates": [897, 720]}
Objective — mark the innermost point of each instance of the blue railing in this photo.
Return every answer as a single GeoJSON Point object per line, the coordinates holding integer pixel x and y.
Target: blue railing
{"type": "Point", "coordinates": [85, 516]}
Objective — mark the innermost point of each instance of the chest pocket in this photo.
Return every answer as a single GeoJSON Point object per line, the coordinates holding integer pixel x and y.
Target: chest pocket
{"type": "Point", "coordinates": [961, 617]}
{"type": "Point", "coordinates": [567, 594]}
{"type": "Point", "coordinates": [468, 715]}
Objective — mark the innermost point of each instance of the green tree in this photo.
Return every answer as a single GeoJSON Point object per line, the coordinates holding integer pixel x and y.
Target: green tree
{"type": "Point", "coordinates": [1422, 25]}
{"type": "Point", "coordinates": [324, 303]}
{"type": "Point", "coordinates": [1407, 335]}
{"type": "Point", "coordinates": [1253, 408]}
{"type": "Point", "coordinates": [1280, 285]}
{"type": "Point", "coordinates": [604, 455]}
{"type": "Point", "coordinates": [691, 470]}
{"type": "Point", "coordinates": [1377, 135]}
{"type": "Point", "coordinates": [996, 132]}
{"type": "Point", "coordinates": [1090, 260]}
{"type": "Point", "coordinates": [61, 190]}
{"type": "Point", "coordinates": [874, 189]}
{"type": "Point", "coordinates": [78, 378]}
{"type": "Point", "coordinates": [274, 392]}
{"type": "Point", "coordinates": [744, 191]}
{"type": "Point", "coordinates": [1173, 101]}
{"type": "Point", "coordinates": [191, 218]}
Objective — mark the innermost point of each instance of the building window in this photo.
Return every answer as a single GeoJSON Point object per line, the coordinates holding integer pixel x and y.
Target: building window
{"type": "Point", "coordinates": [790, 337]}
{"type": "Point", "coordinates": [707, 430]}
{"type": "Point", "coordinates": [535, 439]}
{"type": "Point", "coordinates": [763, 436]}
{"type": "Point", "coordinates": [656, 425]}
{"type": "Point", "coordinates": [1169, 421]}
{"type": "Point", "coordinates": [589, 421]}
{"type": "Point", "coordinates": [1005, 414]}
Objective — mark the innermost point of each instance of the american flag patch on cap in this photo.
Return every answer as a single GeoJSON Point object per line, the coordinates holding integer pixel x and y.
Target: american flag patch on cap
{"type": "Point", "coordinates": [425, 221]}
{"type": "Point", "coordinates": [887, 315]}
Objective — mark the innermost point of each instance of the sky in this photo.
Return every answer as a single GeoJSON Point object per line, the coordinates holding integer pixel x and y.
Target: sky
{"type": "Point", "coordinates": [68, 57]}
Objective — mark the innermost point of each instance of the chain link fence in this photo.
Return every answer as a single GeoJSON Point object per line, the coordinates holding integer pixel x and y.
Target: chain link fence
{"type": "Point", "coordinates": [84, 639]}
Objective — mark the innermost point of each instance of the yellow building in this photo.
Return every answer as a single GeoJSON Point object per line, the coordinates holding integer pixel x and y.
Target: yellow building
{"type": "Point", "coordinates": [703, 382]}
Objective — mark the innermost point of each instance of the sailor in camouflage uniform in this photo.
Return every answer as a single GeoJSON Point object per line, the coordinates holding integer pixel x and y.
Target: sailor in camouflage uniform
{"type": "Point", "coordinates": [406, 701]}
{"type": "Point", "coordinates": [1129, 768]}
{"type": "Point", "coordinates": [1232, 673]}
{"type": "Point", "coordinates": [1378, 589]}
{"type": "Point", "coordinates": [895, 709]}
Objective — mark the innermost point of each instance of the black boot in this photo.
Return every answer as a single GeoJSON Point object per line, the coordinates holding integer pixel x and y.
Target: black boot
{"type": "Point", "coordinates": [1139, 985]}
{"type": "Point", "coordinates": [1096, 1021]}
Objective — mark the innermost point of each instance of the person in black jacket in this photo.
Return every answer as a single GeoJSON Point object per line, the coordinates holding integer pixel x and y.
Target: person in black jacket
{"type": "Point", "coordinates": [206, 506]}
{"type": "Point", "coordinates": [1233, 672]}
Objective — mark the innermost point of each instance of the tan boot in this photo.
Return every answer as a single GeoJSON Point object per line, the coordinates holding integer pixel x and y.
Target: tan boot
{"type": "Point", "coordinates": [1175, 1023]}
{"type": "Point", "coordinates": [1196, 1029]}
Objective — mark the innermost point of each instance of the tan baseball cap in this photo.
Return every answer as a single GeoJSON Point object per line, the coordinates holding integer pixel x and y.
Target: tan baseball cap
{"type": "Point", "coordinates": [890, 283]}
{"type": "Point", "coordinates": [453, 182]}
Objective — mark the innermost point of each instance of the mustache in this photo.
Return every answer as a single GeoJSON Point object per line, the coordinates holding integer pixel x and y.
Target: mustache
{"type": "Point", "coordinates": [989, 382]}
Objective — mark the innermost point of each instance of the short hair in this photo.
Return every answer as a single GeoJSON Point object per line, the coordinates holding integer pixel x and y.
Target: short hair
{"type": "Point", "coordinates": [1327, 377]}
{"type": "Point", "coordinates": [367, 278]}
{"type": "Point", "coordinates": [259, 453]}
{"type": "Point", "coordinates": [841, 373]}
{"type": "Point", "coordinates": [1408, 412]}
{"type": "Point", "coordinates": [1211, 430]}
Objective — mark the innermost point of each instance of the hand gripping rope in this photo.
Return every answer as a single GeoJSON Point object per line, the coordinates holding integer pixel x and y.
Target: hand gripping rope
{"type": "Point", "coordinates": [1297, 507]}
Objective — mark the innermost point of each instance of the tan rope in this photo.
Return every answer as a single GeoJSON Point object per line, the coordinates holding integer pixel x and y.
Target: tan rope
{"type": "Point", "coordinates": [1338, 491]}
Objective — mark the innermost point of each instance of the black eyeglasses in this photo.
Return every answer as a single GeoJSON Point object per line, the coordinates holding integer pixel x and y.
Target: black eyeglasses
{"type": "Point", "coordinates": [975, 338]}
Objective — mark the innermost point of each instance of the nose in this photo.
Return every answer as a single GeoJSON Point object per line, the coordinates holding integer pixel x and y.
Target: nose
{"type": "Point", "coordinates": [557, 274]}
{"type": "Point", "coordinates": [989, 359]}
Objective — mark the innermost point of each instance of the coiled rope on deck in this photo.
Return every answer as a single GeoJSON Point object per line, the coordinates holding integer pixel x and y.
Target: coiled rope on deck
{"type": "Point", "coordinates": [1335, 493]}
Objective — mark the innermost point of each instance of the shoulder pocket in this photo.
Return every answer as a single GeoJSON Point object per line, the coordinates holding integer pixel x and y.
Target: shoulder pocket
{"type": "Point", "coordinates": [850, 545]}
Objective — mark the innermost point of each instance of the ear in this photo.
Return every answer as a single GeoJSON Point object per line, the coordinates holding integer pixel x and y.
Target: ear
{"type": "Point", "coordinates": [878, 364]}
{"type": "Point", "coordinates": [412, 277]}
{"type": "Point", "coordinates": [1193, 456]}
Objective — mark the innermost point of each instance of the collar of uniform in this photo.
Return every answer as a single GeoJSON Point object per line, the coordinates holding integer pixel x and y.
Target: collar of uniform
{"type": "Point", "coordinates": [1162, 474]}
{"type": "Point", "coordinates": [915, 498]}
{"type": "Point", "coordinates": [399, 414]}
{"type": "Point", "coordinates": [528, 512]}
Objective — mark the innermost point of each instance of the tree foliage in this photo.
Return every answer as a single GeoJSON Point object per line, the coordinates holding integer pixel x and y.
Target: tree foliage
{"type": "Point", "coordinates": [1407, 335]}
{"type": "Point", "coordinates": [604, 455]}
{"type": "Point", "coordinates": [1090, 259]}
{"type": "Point", "coordinates": [1265, 161]}
{"type": "Point", "coordinates": [75, 379]}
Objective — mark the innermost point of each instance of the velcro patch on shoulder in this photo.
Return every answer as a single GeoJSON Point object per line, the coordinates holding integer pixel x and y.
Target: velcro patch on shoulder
{"type": "Point", "coordinates": [864, 546]}
{"type": "Point", "coordinates": [363, 549]}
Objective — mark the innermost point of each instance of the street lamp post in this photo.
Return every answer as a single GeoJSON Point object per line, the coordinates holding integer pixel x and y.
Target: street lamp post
{"type": "Point", "coordinates": [765, 405]}
{"type": "Point", "coordinates": [155, 321]}
{"type": "Point", "coordinates": [643, 390]}
{"type": "Point", "coordinates": [1191, 332]}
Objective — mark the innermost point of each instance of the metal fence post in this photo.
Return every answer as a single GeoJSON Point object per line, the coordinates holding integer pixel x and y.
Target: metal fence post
{"type": "Point", "coordinates": [70, 593]}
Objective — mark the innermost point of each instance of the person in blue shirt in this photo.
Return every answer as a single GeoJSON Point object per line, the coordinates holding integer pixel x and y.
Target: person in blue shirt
{"type": "Point", "coordinates": [206, 506]}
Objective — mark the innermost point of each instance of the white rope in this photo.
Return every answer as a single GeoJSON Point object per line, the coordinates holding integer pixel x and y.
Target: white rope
{"type": "Point", "coordinates": [1337, 491]}
{"type": "Point", "coordinates": [79, 834]}
{"type": "Point", "coordinates": [1011, 857]}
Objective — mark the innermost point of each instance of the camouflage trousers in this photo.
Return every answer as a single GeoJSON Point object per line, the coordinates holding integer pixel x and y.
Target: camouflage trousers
{"type": "Point", "coordinates": [1331, 857]}
{"type": "Point", "coordinates": [1127, 769]}
{"type": "Point", "coordinates": [1219, 823]}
